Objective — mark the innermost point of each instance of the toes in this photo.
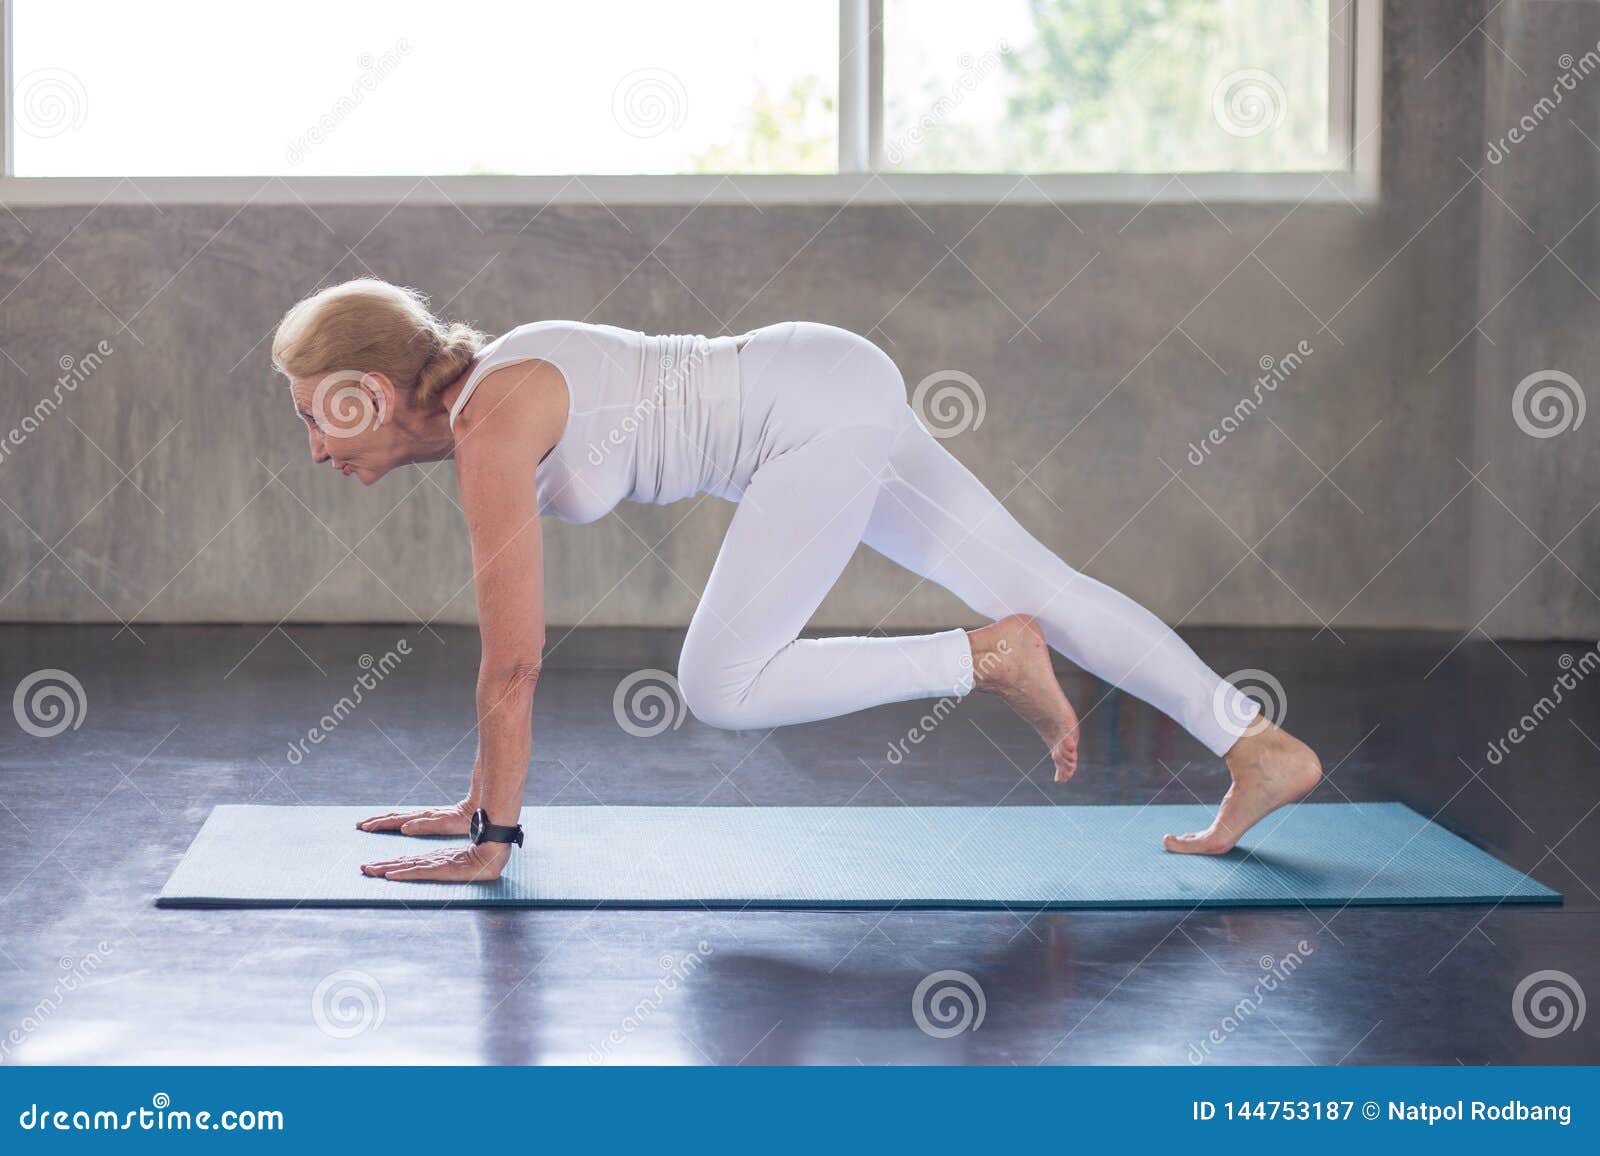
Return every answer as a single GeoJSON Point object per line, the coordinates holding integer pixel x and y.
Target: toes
{"type": "Point", "coordinates": [1067, 755]}
{"type": "Point", "coordinates": [1196, 843]}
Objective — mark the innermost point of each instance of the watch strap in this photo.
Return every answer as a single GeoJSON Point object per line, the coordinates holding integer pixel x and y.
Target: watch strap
{"type": "Point", "coordinates": [484, 831]}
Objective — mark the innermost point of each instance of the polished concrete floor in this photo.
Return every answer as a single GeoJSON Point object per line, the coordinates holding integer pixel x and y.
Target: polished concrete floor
{"type": "Point", "coordinates": [179, 719]}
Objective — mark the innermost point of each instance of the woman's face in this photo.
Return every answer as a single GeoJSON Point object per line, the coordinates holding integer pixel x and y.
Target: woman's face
{"type": "Point", "coordinates": [349, 417]}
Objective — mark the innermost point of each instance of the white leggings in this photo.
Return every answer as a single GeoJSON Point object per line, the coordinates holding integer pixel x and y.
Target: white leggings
{"type": "Point", "coordinates": [844, 460]}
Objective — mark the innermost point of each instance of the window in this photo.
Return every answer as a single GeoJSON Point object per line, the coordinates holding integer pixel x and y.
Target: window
{"type": "Point", "coordinates": [426, 87]}
{"type": "Point", "coordinates": [1037, 86]}
{"type": "Point", "coordinates": [799, 100]}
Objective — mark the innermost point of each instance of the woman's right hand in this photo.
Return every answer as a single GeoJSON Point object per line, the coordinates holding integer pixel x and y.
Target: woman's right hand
{"type": "Point", "coordinates": [452, 820]}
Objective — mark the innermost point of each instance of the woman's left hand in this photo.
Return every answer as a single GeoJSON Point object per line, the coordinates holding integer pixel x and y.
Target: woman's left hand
{"type": "Point", "coordinates": [479, 863]}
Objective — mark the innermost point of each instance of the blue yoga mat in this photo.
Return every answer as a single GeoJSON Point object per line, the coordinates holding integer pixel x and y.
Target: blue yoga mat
{"type": "Point", "coordinates": [859, 857]}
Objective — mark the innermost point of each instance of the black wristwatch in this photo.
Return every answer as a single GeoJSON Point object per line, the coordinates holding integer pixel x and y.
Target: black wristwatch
{"type": "Point", "coordinates": [484, 831]}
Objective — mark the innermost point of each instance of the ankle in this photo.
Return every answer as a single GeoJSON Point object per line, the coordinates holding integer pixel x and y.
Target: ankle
{"type": "Point", "coordinates": [1252, 746]}
{"type": "Point", "coordinates": [992, 652]}
{"type": "Point", "coordinates": [1268, 747]}
{"type": "Point", "coordinates": [982, 662]}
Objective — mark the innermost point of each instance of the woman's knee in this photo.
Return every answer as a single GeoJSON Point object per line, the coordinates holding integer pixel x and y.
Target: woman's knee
{"type": "Point", "coordinates": [711, 690]}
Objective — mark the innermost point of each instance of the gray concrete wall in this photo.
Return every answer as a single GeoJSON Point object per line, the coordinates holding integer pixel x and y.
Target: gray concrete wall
{"type": "Point", "coordinates": [1535, 554]}
{"type": "Point", "coordinates": [1094, 391]}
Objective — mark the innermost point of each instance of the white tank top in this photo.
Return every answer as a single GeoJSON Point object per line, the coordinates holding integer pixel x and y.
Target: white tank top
{"type": "Point", "coordinates": [649, 419]}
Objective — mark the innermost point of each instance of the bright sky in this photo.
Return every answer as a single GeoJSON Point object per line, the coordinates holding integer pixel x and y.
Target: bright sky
{"type": "Point", "coordinates": [192, 87]}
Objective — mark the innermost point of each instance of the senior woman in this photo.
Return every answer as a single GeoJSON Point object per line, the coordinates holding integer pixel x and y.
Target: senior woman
{"type": "Point", "coordinates": [806, 427]}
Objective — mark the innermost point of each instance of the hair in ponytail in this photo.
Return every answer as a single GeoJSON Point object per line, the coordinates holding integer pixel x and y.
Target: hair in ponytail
{"type": "Point", "coordinates": [375, 327]}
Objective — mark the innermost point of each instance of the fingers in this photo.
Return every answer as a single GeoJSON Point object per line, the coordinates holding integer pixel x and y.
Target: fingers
{"type": "Point", "coordinates": [435, 872]}
{"type": "Point", "coordinates": [436, 823]}
{"type": "Point", "coordinates": [391, 821]}
{"type": "Point", "coordinates": [459, 866]}
{"type": "Point", "coordinates": [382, 867]}
{"type": "Point", "coordinates": [429, 821]}
{"type": "Point", "coordinates": [381, 864]}
{"type": "Point", "coordinates": [456, 868]}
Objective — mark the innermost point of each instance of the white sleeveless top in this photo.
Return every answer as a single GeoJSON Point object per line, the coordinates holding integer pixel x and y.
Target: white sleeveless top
{"type": "Point", "coordinates": [649, 419]}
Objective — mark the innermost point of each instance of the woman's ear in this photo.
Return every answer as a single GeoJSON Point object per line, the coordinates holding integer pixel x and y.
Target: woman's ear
{"type": "Point", "coordinates": [381, 395]}
{"type": "Point", "coordinates": [349, 402]}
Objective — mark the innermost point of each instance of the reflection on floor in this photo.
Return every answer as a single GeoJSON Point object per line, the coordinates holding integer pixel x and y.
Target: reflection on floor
{"type": "Point", "coordinates": [93, 819]}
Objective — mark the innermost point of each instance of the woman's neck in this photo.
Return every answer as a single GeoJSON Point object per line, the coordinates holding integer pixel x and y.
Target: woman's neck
{"type": "Point", "coordinates": [435, 438]}
{"type": "Point", "coordinates": [450, 393]}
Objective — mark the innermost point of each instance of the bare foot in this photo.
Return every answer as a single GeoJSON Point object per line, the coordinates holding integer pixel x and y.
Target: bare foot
{"type": "Point", "coordinates": [1270, 767]}
{"type": "Point", "coordinates": [1010, 658]}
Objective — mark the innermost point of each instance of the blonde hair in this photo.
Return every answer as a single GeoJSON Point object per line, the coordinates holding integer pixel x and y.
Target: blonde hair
{"type": "Point", "coordinates": [375, 327]}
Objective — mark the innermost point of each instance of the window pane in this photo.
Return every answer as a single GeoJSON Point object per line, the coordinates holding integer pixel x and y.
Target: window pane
{"type": "Point", "coordinates": [371, 87]}
{"type": "Point", "coordinates": [1106, 85]}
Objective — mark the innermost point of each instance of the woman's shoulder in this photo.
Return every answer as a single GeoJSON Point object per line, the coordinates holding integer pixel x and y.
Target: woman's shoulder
{"type": "Point", "coordinates": [522, 398]}
{"type": "Point", "coordinates": [577, 349]}
{"type": "Point", "coordinates": [556, 333]}
{"type": "Point", "coordinates": [572, 357]}
{"type": "Point", "coordinates": [526, 361]}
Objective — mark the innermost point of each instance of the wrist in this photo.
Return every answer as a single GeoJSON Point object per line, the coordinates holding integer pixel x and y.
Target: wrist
{"type": "Point", "coordinates": [484, 829]}
{"type": "Point", "coordinates": [504, 810]}
{"type": "Point", "coordinates": [498, 854]}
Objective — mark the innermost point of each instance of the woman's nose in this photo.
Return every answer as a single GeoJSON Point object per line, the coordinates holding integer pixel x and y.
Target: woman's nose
{"type": "Point", "coordinates": [319, 448]}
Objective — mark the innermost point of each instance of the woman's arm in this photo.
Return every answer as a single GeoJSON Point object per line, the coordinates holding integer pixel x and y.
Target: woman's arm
{"type": "Point", "coordinates": [515, 416]}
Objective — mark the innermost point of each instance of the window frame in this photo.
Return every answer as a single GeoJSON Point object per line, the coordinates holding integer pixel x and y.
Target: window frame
{"type": "Point", "coordinates": [1355, 113]}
